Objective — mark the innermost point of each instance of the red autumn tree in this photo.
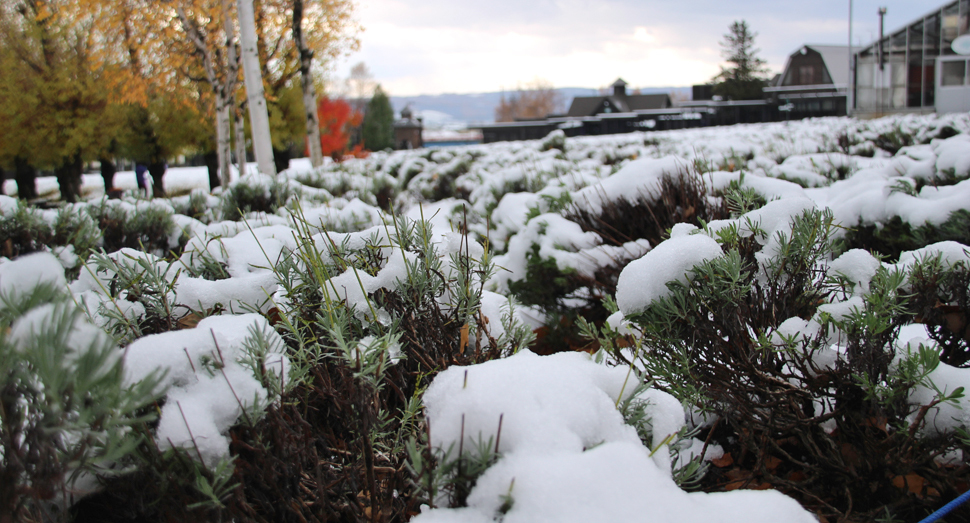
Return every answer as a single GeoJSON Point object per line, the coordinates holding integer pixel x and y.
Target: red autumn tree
{"type": "Point", "coordinates": [336, 117]}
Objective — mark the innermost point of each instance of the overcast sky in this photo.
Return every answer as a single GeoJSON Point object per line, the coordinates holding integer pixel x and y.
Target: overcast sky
{"type": "Point", "coordinates": [464, 46]}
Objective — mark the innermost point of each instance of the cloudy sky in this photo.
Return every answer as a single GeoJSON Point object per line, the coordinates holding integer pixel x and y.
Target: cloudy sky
{"type": "Point", "coordinates": [464, 46]}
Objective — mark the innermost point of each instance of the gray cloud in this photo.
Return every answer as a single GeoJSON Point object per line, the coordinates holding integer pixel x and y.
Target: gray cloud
{"type": "Point", "coordinates": [420, 47]}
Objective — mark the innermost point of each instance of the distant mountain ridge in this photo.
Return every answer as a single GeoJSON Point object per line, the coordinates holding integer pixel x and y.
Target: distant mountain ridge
{"type": "Point", "coordinates": [460, 110]}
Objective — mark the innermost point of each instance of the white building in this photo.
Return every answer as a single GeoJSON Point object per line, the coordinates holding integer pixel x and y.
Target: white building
{"type": "Point", "coordinates": [917, 68]}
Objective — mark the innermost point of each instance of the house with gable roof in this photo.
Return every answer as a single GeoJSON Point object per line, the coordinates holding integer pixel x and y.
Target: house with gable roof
{"type": "Point", "coordinates": [815, 82]}
{"type": "Point", "coordinates": [617, 102]}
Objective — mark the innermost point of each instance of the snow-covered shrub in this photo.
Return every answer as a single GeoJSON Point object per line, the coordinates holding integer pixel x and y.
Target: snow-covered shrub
{"type": "Point", "coordinates": [131, 293]}
{"type": "Point", "coordinates": [67, 411]}
{"type": "Point", "coordinates": [197, 205]}
{"type": "Point", "coordinates": [366, 316]}
{"type": "Point", "coordinates": [228, 368]}
{"type": "Point", "coordinates": [23, 229]}
{"type": "Point", "coordinates": [545, 438]}
{"type": "Point", "coordinates": [896, 236]}
{"type": "Point", "coordinates": [142, 225]}
{"type": "Point", "coordinates": [555, 140]}
{"type": "Point", "coordinates": [69, 233]}
{"type": "Point", "coordinates": [254, 193]}
{"type": "Point", "coordinates": [801, 358]}
{"type": "Point", "coordinates": [940, 299]}
{"type": "Point", "coordinates": [568, 255]}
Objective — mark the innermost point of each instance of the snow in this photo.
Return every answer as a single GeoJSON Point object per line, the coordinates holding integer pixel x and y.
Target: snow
{"type": "Point", "coordinates": [207, 384]}
{"type": "Point", "coordinates": [560, 403]}
{"type": "Point", "coordinates": [645, 280]}
{"type": "Point", "coordinates": [858, 267]}
{"type": "Point", "coordinates": [20, 276]}
{"type": "Point", "coordinates": [637, 179]}
{"type": "Point", "coordinates": [566, 455]}
{"type": "Point", "coordinates": [950, 253]}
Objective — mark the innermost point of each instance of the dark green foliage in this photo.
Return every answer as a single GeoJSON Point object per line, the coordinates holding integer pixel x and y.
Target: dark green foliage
{"type": "Point", "coordinates": [253, 195]}
{"type": "Point", "coordinates": [26, 230]}
{"type": "Point", "coordinates": [66, 409]}
{"type": "Point", "coordinates": [894, 140]}
{"type": "Point", "coordinates": [146, 227]}
{"type": "Point", "coordinates": [196, 206]}
{"type": "Point", "coordinates": [946, 131]}
{"type": "Point", "coordinates": [897, 236]}
{"type": "Point", "coordinates": [137, 279]}
{"type": "Point", "coordinates": [23, 231]}
{"type": "Point", "coordinates": [378, 125]}
{"type": "Point", "coordinates": [713, 344]}
{"type": "Point", "coordinates": [744, 80]}
{"type": "Point", "coordinates": [683, 199]}
{"type": "Point", "coordinates": [544, 285]}
{"type": "Point", "coordinates": [555, 140]}
{"type": "Point", "coordinates": [77, 229]}
{"type": "Point", "coordinates": [566, 295]}
{"type": "Point", "coordinates": [449, 473]}
{"type": "Point", "coordinates": [940, 298]}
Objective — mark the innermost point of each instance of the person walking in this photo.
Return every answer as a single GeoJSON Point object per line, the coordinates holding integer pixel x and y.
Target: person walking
{"type": "Point", "coordinates": [140, 171]}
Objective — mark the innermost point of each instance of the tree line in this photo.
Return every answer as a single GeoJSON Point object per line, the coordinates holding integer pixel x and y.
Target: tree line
{"type": "Point", "coordinates": [96, 80]}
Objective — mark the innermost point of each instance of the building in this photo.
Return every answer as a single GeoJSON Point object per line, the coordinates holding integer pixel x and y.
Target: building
{"type": "Point", "coordinates": [815, 82]}
{"type": "Point", "coordinates": [917, 68]}
{"type": "Point", "coordinates": [617, 102]}
{"type": "Point", "coordinates": [614, 113]}
{"type": "Point", "coordinates": [407, 131]}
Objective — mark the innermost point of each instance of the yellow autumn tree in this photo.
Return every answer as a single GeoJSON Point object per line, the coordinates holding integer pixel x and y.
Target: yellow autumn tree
{"type": "Point", "coordinates": [57, 82]}
{"type": "Point", "coordinates": [91, 79]}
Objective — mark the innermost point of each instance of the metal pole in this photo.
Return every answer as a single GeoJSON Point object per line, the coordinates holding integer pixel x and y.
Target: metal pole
{"type": "Point", "coordinates": [850, 85]}
{"type": "Point", "coordinates": [882, 55]}
{"type": "Point", "coordinates": [882, 15]}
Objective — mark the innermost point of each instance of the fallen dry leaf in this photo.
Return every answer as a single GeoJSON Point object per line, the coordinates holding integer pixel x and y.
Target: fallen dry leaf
{"type": "Point", "coordinates": [724, 461]}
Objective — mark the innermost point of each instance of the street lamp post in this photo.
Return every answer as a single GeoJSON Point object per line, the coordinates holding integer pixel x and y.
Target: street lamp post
{"type": "Point", "coordinates": [882, 65]}
{"type": "Point", "coordinates": [850, 85]}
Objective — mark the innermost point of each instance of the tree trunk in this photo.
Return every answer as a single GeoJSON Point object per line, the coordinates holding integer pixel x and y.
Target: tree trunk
{"type": "Point", "coordinates": [157, 170]}
{"type": "Point", "coordinates": [222, 139]}
{"type": "Point", "coordinates": [26, 177]}
{"type": "Point", "coordinates": [306, 83]}
{"type": "Point", "coordinates": [240, 139]}
{"type": "Point", "coordinates": [108, 170]}
{"type": "Point", "coordinates": [281, 157]}
{"type": "Point", "coordinates": [69, 178]}
{"type": "Point", "coordinates": [258, 115]}
{"type": "Point", "coordinates": [221, 91]}
{"type": "Point", "coordinates": [212, 166]}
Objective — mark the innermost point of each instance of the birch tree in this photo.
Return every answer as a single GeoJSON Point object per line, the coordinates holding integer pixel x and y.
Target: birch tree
{"type": "Point", "coordinates": [255, 99]}
{"type": "Point", "coordinates": [306, 83]}
{"type": "Point", "coordinates": [219, 62]}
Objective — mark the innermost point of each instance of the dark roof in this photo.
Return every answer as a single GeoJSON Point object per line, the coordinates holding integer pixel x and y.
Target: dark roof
{"type": "Point", "coordinates": [590, 105]}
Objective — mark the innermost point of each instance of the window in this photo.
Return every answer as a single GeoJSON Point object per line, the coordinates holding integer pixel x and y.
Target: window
{"type": "Point", "coordinates": [954, 73]}
{"type": "Point", "coordinates": [806, 75]}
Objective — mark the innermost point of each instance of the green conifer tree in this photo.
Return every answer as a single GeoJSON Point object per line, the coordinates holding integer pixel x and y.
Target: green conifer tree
{"type": "Point", "coordinates": [744, 80]}
{"type": "Point", "coordinates": [378, 126]}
